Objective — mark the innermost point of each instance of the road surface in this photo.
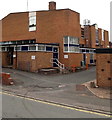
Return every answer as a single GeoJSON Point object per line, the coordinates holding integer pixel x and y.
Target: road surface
{"type": "Point", "coordinates": [19, 107]}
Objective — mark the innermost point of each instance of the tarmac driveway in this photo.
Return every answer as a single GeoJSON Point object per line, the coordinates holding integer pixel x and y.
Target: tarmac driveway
{"type": "Point", "coordinates": [58, 88]}
{"type": "Point", "coordinates": [27, 78]}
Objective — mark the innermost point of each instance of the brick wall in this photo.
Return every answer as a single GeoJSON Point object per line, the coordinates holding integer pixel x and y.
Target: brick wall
{"type": "Point", "coordinates": [90, 35]}
{"type": "Point", "coordinates": [52, 26]}
{"type": "Point", "coordinates": [24, 61]}
{"type": "Point", "coordinates": [104, 69]}
{"type": "Point", "coordinates": [106, 37]}
{"type": "Point", "coordinates": [73, 59]}
{"type": "Point", "coordinates": [5, 59]}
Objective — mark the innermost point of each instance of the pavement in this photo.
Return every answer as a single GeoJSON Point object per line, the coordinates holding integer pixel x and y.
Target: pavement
{"type": "Point", "coordinates": [104, 93]}
{"type": "Point", "coordinates": [68, 89]}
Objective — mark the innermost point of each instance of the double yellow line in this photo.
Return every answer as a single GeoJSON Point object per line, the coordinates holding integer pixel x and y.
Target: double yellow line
{"type": "Point", "coordinates": [56, 104]}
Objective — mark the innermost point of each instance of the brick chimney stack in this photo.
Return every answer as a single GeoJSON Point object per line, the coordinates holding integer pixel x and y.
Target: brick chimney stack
{"type": "Point", "coordinates": [52, 5]}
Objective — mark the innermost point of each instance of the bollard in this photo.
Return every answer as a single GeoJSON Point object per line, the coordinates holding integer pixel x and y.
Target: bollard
{"type": "Point", "coordinates": [73, 68]}
{"type": "Point", "coordinates": [86, 66]}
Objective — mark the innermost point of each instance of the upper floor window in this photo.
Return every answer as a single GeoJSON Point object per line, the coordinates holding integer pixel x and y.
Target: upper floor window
{"type": "Point", "coordinates": [71, 44]}
{"type": "Point", "coordinates": [82, 32]}
{"type": "Point", "coordinates": [103, 35]}
{"type": "Point", "coordinates": [97, 39]}
{"type": "Point", "coordinates": [74, 40]}
{"type": "Point", "coordinates": [32, 21]}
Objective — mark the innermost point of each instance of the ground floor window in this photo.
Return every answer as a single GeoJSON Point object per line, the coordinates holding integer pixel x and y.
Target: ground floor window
{"type": "Point", "coordinates": [24, 48]}
{"type": "Point", "coordinates": [18, 48]}
{"type": "Point", "coordinates": [32, 48]}
{"type": "Point", "coordinates": [41, 47]}
{"type": "Point", "coordinates": [48, 48]}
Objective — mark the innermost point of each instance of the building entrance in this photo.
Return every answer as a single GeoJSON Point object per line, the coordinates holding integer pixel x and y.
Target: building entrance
{"type": "Point", "coordinates": [84, 59]}
{"type": "Point", "coordinates": [55, 56]}
{"type": "Point", "coordinates": [91, 58]}
{"type": "Point", "coordinates": [10, 55]}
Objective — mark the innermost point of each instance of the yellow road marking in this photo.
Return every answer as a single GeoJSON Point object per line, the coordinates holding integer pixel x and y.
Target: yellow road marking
{"type": "Point", "coordinates": [54, 104]}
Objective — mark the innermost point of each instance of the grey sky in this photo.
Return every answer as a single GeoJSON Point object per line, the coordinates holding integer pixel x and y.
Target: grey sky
{"type": "Point", "coordinates": [98, 11]}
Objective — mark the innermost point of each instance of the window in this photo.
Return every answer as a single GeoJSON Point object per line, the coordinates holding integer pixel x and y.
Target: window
{"type": "Point", "coordinates": [4, 49]}
{"type": "Point", "coordinates": [97, 39]}
{"type": "Point", "coordinates": [74, 49]}
{"type": "Point", "coordinates": [41, 48]}
{"type": "Point", "coordinates": [66, 40]}
{"type": "Point", "coordinates": [32, 41]}
{"type": "Point", "coordinates": [18, 48]}
{"type": "Point", "coordinates": [55, 49]}
{"type": "Point", "coordinates": [10, 42]}
{"type": "Point", "coordinates": [71, 44]}
{"type": "Point", "coordinates": [91, 56]}
{"type": "Point", "coordinates": [102, 35]}
{"type": "Point", "coordinates": [32, 48]}
{"type": "Point", "coordinates": [13, 42]}
{"type": "Point", "coordinates": [32, 21]}
{"type": "Point", "coordinates": [87, 51]}
{"type": "Point", "coordinates": [25, 42]}
{"type": "Point", "coordinates": [77, 50]}
{"type": "Point", "coordinates": [80, 50]}
{"type": "Point", "coordinates": [19, 42]}
{"type": "Point", "coordinates": [84, 50]}
{"type": "Point", "coordinates": [24, 48]}
{"type": "Point", "coordinates": [66, 49]}
{"type": "Point", "coordinates": [48, 48]}
{"type": "Point", "coordinates": [82, 33]}
{"type": "Point", "coordinates": [73, 40]}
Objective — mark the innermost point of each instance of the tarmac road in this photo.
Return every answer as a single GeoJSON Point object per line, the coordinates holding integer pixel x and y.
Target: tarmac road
{"type": "Point", "coordinates": [20, 107]}
{"type": "Point", "coordinates": [57, 88]}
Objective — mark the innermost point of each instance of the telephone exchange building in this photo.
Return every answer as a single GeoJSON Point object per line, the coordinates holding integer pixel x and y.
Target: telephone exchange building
{"type": "Point", "coordinates": [49, 38]}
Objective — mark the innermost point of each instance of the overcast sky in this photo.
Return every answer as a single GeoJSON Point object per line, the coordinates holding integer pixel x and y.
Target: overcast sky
{"type": "Point", "coordinates": [97, 11]}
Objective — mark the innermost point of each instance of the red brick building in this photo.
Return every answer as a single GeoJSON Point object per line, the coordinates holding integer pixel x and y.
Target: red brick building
{"type": "Point", "coordinates": [31, 40]}
{"type": "Point", "coordinates": [95, 37]}
{"type": "Point", "coordinates": [110, 44]}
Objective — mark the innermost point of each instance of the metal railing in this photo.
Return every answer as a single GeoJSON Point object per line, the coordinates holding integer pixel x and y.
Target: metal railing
{"type": "Point", "coordinates": [58, 63]}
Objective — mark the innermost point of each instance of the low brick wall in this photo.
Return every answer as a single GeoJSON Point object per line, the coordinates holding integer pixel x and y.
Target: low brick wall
{"type": "Point", "coordinates": [6, 78]}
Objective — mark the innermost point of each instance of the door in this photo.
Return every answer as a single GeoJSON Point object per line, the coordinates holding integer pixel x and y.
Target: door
{"type": "Point", "coordinates": [84, 59]}
{"type": "Point", "coordinates": [91, 58]}
{"type": "Point", "coordinates": [10, 54]}
{"type": "Point", "coordinates": [55, 56]}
